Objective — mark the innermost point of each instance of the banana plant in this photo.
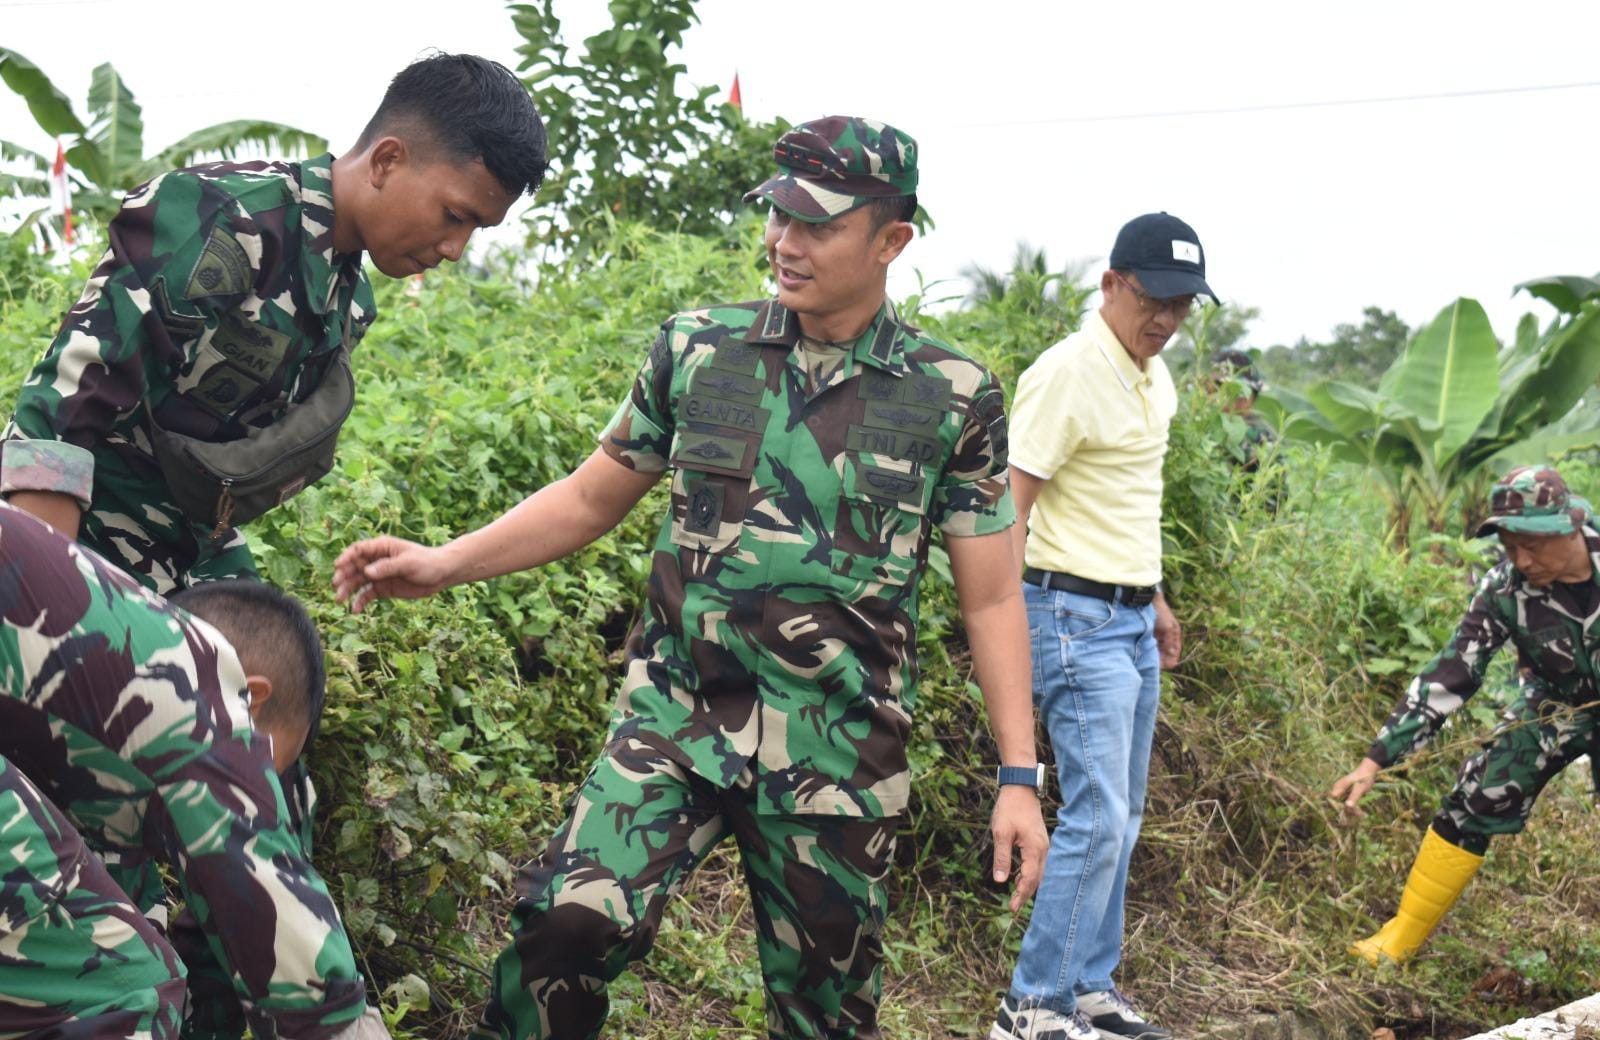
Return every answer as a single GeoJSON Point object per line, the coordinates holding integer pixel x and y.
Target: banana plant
{"type": "Point", "coordinates": [1455, 408]}
{"type": "Point", "coordinates": [106, 154]}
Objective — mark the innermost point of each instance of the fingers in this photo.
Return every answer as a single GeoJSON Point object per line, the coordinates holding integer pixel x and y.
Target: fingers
{"type": "Point", "coordinates": [1020, 827]}
{"type": "Point", "coordinates": [1357, 791]}
{"type": "Point", "coordinates": [1035, 844]}
{"type": "Point", "coordinates": [364, 594]}
{"type": "Point", "coordinates": [1348, 791]}
{"type": "Point", "coordinates": [1002, 853]}
{"type": "Point", "coordinates": [360, 566]}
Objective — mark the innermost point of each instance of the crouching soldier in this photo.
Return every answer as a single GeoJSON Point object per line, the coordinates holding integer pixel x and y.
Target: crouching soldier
{"type": "Point", "coordinates": [203, 376]}
{"type": "Point", "coordinates": [1545, 598]}
{"type": "Point", "coordinates": [157, 734]}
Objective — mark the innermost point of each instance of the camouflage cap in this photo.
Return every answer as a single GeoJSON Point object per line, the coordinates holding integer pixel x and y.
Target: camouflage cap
{"type": "Point", "coordinates": [1534, 500]}
{"type": "Point", "coordinates": [1236, 364]}
{"type": "Point", "coordinates": [834, 164]}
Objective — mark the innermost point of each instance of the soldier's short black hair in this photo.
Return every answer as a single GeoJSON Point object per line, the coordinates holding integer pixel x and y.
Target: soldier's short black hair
{"type": "Point", "coordinates": [895, 207]}
{"type": "Point", "coordinates": [273, 636]}
{"type": "Point", "coordinates": [469, 108]}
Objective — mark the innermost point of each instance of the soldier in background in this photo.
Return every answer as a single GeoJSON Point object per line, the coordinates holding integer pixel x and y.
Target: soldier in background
{"type": "Point", "coordinates": [1544, 597]}
{"type": "Point", "coordinates": [814, 440]}
{"type": "Point", "coordinates": [135, 728]}
{"type": "Point", "coordinates": [228, 295]}
{"type": "Point", "coordinates": [1234, 368]}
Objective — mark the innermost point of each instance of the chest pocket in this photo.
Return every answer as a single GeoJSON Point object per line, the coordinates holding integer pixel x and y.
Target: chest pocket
{"type": "Point", "coordinates": [1552, 651]}
{"type": "Point", "coordinates": [881, 534]}
{"type": "Point", "coordinates": [241, 363]}
{"type": "Point", "coordinates": [711, 487]}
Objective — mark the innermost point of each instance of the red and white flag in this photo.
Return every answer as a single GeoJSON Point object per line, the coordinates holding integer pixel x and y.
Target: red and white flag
{"type": "Point", "coordinates": [733, 95]}
{"type": "Point", "coordinates": [61, 193]}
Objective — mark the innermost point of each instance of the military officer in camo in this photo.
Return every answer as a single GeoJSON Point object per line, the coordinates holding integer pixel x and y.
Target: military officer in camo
{"type": "Point", "coordinates": [129, 726]}
{"type": "Point", "coordinates": [226, 293]}
{"type": "Point", "coordinates": [1544, 598]}
{"type": "Point", "coordinates": [814, 441]}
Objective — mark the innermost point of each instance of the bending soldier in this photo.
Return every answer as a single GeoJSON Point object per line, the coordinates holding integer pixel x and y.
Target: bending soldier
{"type": "Point", "coordinates": [220, 320]}
{"type": "Point", "coordinates": [134, 718]}
{"type": "Point", "coordinates": [1545, 598]}
{"type": "Point", "coordinates": [815, 440]}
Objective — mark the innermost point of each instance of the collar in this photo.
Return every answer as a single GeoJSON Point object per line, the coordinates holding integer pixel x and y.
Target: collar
{"type": "Point", "coordinates": [1128, 371]}
{"type": "Point", "coordinates": [881, 345]}
{"type": "Point", "coordinates": [323, 270]}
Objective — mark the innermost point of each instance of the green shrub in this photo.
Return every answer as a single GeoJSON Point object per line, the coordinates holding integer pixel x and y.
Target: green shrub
{"type": "Point", "coordinates": [458, 725]}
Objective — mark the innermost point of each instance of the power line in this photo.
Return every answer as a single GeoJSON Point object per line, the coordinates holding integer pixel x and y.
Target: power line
{"type": "Point", "coordinates": [1282, 106]}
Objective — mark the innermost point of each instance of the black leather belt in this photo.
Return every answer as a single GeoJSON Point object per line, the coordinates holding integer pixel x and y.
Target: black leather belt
{"type": "Point", "coordinates": [1132, 595]}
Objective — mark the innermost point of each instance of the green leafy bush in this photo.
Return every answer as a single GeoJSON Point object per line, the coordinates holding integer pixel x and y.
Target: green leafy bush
{"type": "Point", "coordinates": [457, 726]}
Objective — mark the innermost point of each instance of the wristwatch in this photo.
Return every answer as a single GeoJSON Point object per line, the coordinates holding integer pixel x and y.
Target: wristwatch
{"type": "Point", "coordinates": [1025, 776]}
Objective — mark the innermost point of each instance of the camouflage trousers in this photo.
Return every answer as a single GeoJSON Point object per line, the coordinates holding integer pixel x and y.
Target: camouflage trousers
{"type": "Point", "coordinates": [635, 829]}
{"type": "Point", "coordinates": [1494, 794]}
{"type": "Point", "coordinates": [163, 556]}
{"type": "Point", "coordinates": [77, 960]}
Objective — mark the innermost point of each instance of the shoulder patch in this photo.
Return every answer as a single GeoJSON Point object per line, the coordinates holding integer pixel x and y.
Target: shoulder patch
{"type": "Point", "coordinates": [183, 327]}
{"type": "Point", "coordinates": [222, 270]}
{"type": "Point", "coordinates": [990, 409]}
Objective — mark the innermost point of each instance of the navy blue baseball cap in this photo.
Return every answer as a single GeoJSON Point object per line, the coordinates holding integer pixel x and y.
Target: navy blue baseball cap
{"type": "Point", "coordinates": [1165, 253]}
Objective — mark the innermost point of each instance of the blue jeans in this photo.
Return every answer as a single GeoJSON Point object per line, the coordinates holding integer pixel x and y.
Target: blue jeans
{"type": "Point", "coordinates": [1097, 683]}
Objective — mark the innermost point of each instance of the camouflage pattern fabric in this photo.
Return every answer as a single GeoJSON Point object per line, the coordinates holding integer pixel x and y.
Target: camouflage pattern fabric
{"type": "Point", "coordinates": [1537, 738]}
{"type": "Point", "coordinates": [779, 635]}
{"type": "Point", "coordinates": [636, 828]}
{"type": "Point", "coordinates": [131, 715]}
{"type": "Point", "coordinates": [219, 300]}
{"type": "Point", "coordinates": [1534, 500]}
{"type": "Point", "coordinates": [769, 684]}
{"type": "Point", "coordinates": [215, 1012]}
{"type": "Point", "coordinates": [1558, 655]}
{"type": "Point", "coordinates": [832, 165]}
{"type": "Point", "coordinates": [76, 959]}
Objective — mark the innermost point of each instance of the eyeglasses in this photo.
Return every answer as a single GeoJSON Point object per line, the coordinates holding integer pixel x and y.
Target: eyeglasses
{"type": "Point", "coordinates": [1177, 306]}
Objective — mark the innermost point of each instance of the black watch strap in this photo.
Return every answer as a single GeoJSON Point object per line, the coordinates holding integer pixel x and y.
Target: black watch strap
{"type": "Point", "coordinates": [1023, 776]}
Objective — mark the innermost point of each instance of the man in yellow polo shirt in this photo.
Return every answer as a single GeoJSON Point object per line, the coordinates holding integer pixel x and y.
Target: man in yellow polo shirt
{"type": "Point", "coordinates": [1088, 435]}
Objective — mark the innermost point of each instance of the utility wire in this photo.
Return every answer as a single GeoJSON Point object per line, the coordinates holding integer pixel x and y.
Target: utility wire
{"type": "Point", "coordinates": [1282, 106]}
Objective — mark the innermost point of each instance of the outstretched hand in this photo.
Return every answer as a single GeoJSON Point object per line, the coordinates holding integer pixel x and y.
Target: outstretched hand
{"type": "Point", "coordinates": [1018, 824]}
{"type": "Point", "coordinates": [1353, 786]}
{"type": "Point", "coordinates": [388, 567]}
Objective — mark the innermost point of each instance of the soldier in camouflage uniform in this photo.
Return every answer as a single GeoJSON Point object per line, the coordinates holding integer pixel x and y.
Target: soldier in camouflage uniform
{"type": "Point", "coordinates": [814, 441]}
{"type": "Point", "coordinates": [59, 910]}
{"type": "Point", "coordinates": [1234, 373]}
{"type": "Point", "coordinates": [134, 719]}
{"type": "Point", "coordinates": [1233, 368]}
{"type": "Point", "coordinates": [1545, 598]}
{"type": "Point", "coordinates": [227, 293]}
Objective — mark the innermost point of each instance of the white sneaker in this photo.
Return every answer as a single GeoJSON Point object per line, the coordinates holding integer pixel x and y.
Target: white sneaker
{"type": "Point", "coordinates": [1037, 1023]}
{"type": "Point", "coordinates": [1111, 1013]}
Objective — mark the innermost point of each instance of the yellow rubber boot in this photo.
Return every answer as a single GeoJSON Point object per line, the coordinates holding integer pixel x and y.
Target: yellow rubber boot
{"type": "Point", "coordinates": [1437, 878]}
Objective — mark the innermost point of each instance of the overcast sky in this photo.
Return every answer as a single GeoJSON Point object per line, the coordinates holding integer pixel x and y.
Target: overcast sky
{"type": "Point", "coordinates": [1052, 122]}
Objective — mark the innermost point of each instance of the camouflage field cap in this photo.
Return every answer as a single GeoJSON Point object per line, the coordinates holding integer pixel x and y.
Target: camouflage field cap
{"type": "Point", "coordinates": [832, 165]}
{"type": "Point", "coordinates": [1534, 500]}
{"type": "Point", "coordinates": [1236, 364]}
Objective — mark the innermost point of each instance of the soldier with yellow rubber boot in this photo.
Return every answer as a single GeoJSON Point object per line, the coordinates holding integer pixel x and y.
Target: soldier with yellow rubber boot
{"type": "Point", "coordinates": [1545, 598]}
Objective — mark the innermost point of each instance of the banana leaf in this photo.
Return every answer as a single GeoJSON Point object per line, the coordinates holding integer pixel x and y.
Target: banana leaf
{"type": "Point", "coordinates": [1448, 376]}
